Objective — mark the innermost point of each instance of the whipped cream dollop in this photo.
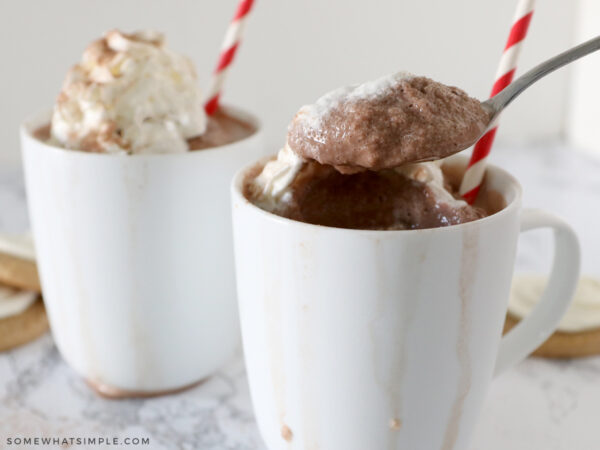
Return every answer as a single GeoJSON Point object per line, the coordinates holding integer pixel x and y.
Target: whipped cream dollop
{"type": "Point", "coordinates": [129, 94]}
{"type": "Point", "coordinates": [583, 313]}
{"type": "Point", "coordinates": [279, 173]}
{"type": "Point", "coordinates": [14, 301]}
{"type": "Point", "coordinates": [430, 174]}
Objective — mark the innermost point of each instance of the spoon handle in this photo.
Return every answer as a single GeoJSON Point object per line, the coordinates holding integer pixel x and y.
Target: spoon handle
{"type": "Point", "coordinates": [506, 96]}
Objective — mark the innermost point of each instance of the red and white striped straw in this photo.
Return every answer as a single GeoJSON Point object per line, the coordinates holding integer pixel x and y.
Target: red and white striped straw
{"type": "Point", "coordinates": [473, 177]}
{"type": "Point", "coordinates": [230, 45]}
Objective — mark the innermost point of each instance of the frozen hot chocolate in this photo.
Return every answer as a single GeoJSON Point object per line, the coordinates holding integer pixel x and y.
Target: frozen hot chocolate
{"type": "Point", "coordinates": [349, 160]}
{"type": "Point", "coordinates": [130, 94]}
{"type": "Point", "coordinates": [414, 196]}
{"type": "Point", "coordinates": [221, 129]}
{"type": "Point", "coordinates": [385, 123]}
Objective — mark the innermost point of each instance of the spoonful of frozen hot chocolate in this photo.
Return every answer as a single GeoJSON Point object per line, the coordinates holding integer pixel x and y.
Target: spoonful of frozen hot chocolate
{"type": "Point", "coordinates": [403, 118]}
{"type": "Point", "coordinates": [386, 123]}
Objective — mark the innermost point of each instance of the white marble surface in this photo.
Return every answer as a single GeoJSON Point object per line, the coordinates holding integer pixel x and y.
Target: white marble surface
{"type": "Point", "coordinates": [538, 404]}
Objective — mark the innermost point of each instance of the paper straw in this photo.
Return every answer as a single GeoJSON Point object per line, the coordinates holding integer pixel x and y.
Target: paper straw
{"type": "Point", "coordinates": [473, 177]}
{"type": "Point", "coordinates": [229, 47]}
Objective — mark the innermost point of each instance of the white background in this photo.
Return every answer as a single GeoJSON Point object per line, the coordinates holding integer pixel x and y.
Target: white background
{"type": "Point", "coordinates": [293, 51]}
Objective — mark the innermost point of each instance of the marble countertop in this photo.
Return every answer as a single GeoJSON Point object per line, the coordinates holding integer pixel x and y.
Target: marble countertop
{"type": "Point", "coordinates": [539, 404]}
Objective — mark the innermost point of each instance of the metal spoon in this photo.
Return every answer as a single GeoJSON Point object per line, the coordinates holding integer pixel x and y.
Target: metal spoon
{"type": "Point", "coordinates": [497, 103]}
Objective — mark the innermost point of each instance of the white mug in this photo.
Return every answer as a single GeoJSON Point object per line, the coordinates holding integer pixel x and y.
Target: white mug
{"type": "Point", "coordinates": [369, 340]}
{"type": "Point", "coordinates": [136, 260]}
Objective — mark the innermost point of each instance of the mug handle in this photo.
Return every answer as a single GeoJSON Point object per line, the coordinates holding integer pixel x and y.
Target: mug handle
{"type": "Point", "coordinates": [532, 331]}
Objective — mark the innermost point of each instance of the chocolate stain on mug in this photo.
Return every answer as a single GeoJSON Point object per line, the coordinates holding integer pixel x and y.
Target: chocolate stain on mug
{"type": "Point", "coordinates": [91, 353]}
{"type": "Point", "coordinates": [388, 308]}
{"type": "Point", "coordinates": [143, 355]}
{"type": "Point", "coordinates": [399, 367]}
{"type": "Point", "coordinates": [307, 344]}
{"type": "Point", "coordinates": [274, 339]}
{"type": "Point", "coordinates": [390, 382]}
{"type": "Point", "coordinates": [143, 363]}
{"type": "Point", "coordinates": [468, 267]}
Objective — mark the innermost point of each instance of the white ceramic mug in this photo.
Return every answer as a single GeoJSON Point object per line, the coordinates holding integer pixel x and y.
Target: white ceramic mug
{"type": "Point", "coordinates": [369, 340]}
{"type": "Point", "coordinates": [136, 260]}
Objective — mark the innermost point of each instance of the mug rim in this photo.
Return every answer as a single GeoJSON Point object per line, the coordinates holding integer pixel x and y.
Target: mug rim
{"type": "Point", "coordinates": [237, 195]}
{"type": "Point", "coordinates": [41, 117]}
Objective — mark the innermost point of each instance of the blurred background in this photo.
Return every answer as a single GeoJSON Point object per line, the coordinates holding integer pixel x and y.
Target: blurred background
{"type": "Point", "coordinates": [294, 51]}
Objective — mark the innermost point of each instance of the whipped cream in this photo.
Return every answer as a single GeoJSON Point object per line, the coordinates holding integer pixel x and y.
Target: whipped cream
{"type": "Point", "coordinates": [129, 94]}
{"type": "Point", "coordinates": [583, 313]}
{"type": "Point", "coordinates": [278, 174]}
{"type": "Point", "coordinates": [430, 173]}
